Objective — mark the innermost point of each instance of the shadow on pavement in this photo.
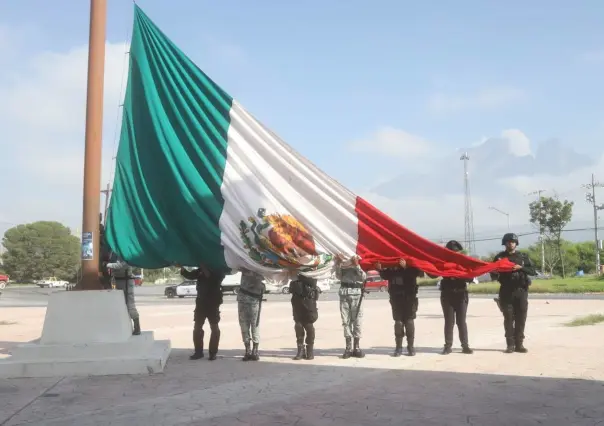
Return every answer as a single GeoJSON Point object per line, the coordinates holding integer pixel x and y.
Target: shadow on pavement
{"type": "Point", "coordinates": [230, 392]}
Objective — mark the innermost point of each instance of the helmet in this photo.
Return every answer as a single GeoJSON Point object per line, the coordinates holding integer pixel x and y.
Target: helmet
{"type": "Point", "coordinates": [454, 245]}
{"type": "Point", "coordinates": [509, 237]}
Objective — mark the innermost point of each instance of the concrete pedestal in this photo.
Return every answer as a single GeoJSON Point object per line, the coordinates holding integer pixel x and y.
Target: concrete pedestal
{"type": "Point", "coordinates": [87, 333]}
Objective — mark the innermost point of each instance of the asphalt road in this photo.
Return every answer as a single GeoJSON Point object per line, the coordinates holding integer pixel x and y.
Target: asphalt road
{"type": "Point", "coordinates": [31, 296]}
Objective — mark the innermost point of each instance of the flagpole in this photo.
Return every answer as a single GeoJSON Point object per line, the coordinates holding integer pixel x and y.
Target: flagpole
{"type": "Point", "coordinates": [93, 147]}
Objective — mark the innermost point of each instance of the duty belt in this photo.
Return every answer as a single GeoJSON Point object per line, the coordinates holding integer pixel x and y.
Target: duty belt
{"type": "Point", "coordinates": [249, 293]}
{"type": "Point", "coordinates": [351, 285]}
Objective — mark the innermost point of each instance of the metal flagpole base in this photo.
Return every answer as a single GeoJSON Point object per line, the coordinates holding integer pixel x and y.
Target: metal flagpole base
{"type": "Point", "coordinates": [87, 333]}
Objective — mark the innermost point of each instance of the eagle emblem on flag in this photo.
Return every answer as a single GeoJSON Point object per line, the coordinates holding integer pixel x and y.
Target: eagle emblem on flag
{"type": "Point", "coordinates": [281, 241]}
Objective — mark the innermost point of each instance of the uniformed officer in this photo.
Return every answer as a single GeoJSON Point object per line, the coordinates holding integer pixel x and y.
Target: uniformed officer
{"type": "Point", "coordinates": [304, 308]}
{"type": "Point", "coordinates": [207, 306]}
{"type": "Point", "coordinates": [513, 293]}
{"type": "Point", "coordinates": [454, 301]}
{"type": "Point", "coordinates": [352, 279]}
{"type": "Point", "coordinates": [124, 280]}
{"type": "Point", "coordinates": [403, 289]}
{"type": "Point", "coordinates": [249, 299]}
{"type": "Point", "coordinates": [105, 258]}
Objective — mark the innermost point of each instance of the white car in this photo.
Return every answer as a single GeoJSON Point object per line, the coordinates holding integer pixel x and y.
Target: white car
{"type": "Point", "coordinates": [51, 282]}
{"type": "Point", "coordinates": [231, 283]}
{"type": "Point", "coordinates": [322, 285]}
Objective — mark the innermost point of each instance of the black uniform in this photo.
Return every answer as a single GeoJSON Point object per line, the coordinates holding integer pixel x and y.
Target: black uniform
{"type": "Point", "coordinates": [207, 306]}
{"type": "Point", "coordinates": [454, 302]}
{"type": "Point", "coordinates": [513, 297]}
{"type": "Point", "coordinates": [304, 308]}
{"type": "Point", "coordinates": [402, 288]}
{"type": "Point", "coordinates": [105, 256]}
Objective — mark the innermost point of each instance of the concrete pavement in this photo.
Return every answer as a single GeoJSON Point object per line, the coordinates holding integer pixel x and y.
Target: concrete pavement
{"type": "Point", "coordinates": [559, 382]}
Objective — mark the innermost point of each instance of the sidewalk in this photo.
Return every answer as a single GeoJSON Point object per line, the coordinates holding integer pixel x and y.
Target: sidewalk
{"type": "Point", "coordinates": [559, 382]}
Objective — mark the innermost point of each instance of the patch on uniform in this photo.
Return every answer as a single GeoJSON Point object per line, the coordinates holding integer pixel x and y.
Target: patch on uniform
{"type": "Point", "coordinates": [281, 241]}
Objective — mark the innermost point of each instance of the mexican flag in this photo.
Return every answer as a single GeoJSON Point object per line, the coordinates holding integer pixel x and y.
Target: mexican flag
{"type": "Point", "coordinates": [199, 180]}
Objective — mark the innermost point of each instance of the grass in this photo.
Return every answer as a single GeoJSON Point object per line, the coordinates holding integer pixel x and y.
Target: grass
{"type": "Point", "coordinates": [427, 282]}
{"type": "Point", "coordinates": [586, 320]}
{"type": "Point", "coordinates": [556, 285]}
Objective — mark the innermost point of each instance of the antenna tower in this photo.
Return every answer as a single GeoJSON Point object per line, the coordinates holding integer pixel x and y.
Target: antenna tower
{"type": "Point", "coordinates": [468, 215]}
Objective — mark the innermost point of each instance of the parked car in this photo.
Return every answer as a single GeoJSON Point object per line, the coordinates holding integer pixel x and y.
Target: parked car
{"type": "Point", "coordinates": [51, 282]}
{"type": "Point", "coordinates": [375, 282]}
{"type": "Point", "coordinates": [272, 286]}
{"type": "Point", "coordinates": [4, 280]}
{"type": "Point", "coordinates": [322, 285]}
{"type": "Point", "coordinates": [185, 288]}
{"type": "Point", "coordinates": [231, 283]}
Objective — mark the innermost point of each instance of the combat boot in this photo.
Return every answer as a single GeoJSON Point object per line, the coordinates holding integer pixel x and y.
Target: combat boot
{"type": "Point", "coordinates": [410, 347]}
{"type": "Point", "coordinates": [398, 350]}
{"type": "Point", "coordinates": [248, 354]}
{"type": "Point", "coordinates": [357, 352]}
{"type": "Point", "coordinates": [510, 346]}
{"type": "Point", "coordinates": [466, 350]}
{"type": "Point", "coordinates": [198, 344]}
{"type": "Point", "coordinates": [447, 350]}
{"type": "Point", "coordinates": [309, 352]}
{"type": "Point", "coordinates": [214, 342]}
{"type": "Point", "coordinates": [137, 327]}
{"type": "Point", "coordinates": [255, 356]}
{"type": "Point", "coordinates": [520, 347]}
{"type": "Point", "coordinates": [301, 353]}
{"type": "Point", "coordinates": [348, 351]}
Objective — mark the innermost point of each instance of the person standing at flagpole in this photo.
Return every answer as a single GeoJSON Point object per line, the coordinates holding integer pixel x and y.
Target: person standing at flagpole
{"type": "Point", "coordinates": [207, 306]}
{"type": "Point", "coordinates": [402, 289]}
{"type": "Point", "coordinates": [304, 308]}
{"type": "Point", "coordinates": [352, 279]}
{"type": "Point", "coordinates": [454, 300]}
{"type": "Point", "coordinates": [249, 299]}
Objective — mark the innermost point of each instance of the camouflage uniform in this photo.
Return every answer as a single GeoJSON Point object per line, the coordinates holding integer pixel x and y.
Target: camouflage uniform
{"type": "Point", "coordinates": [122, 274]}
{"type": "Point", "coordinates": [352, 279]}
{"type": "Point", "coordinates": [249, 299]}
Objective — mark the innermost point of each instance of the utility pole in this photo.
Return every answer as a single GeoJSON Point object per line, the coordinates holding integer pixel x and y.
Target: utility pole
{"type": "Point", "coordinates": [538, 193]}
{"type": "Point", "coordinates": [591, 198]}
{"type": "Point", "coordinates": [468, 215]}
{"type": "Point", "coordinates": [93, 146]}
{"type": "Point", "coordinates": [107, 193]}
{"type": "Point", "coordinates": [504, 213]}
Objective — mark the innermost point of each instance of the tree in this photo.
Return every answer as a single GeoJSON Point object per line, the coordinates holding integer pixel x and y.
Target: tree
{"type": "Point", "coordinates": [41, 249]}
{"type": "Point", "coordinates": [551, 216]}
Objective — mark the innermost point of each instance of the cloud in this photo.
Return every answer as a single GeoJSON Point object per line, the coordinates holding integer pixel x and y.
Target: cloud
{"type": "Point", "coordinates": [42, 116]}
{"type": "Point", "coordinates": [393, 142]}
{"type": "Point", "coordinates": [519, 143]}
{"type": "Point", "coordinates": [439, 215]}
{"type": "Point", "coordinates": [489, 98]}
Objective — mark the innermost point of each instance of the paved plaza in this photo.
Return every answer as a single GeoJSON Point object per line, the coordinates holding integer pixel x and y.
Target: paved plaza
{"type": "Point", "coordinates": [559, 382]}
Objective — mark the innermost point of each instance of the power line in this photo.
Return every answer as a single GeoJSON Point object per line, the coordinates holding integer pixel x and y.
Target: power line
{"type": "Point", "coordinates": [524, 234]}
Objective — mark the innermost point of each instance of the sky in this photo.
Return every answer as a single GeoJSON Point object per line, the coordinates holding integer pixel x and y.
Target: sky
{"type": "Point", "coordinates": [381, 86]}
